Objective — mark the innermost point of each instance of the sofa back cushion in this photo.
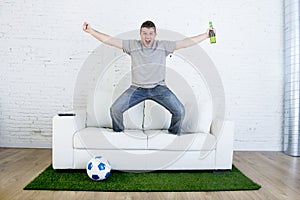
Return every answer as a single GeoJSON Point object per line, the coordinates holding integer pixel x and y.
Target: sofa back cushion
{"type": "Point", "coordinates": [113, 81]}
{"type": "Point", "coordinates": [190, 87]}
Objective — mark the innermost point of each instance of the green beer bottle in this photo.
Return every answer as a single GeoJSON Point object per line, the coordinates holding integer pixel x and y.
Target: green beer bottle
{"type": "Point", "coordinates": [212, 35]}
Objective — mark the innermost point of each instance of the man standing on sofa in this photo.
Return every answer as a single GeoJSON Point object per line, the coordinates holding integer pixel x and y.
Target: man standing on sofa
{"type": "Point", "coordinates": [148, 70]}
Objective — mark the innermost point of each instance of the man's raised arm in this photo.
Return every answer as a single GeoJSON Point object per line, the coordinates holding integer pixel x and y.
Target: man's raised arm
{"type": "Point", "coordinates": [106, 39]}
{"type": "Point", "coordinates": [190, 41]}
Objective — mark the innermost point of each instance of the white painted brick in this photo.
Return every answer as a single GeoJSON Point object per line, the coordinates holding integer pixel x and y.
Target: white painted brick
{"type": "Point", "coordinates": [42, 49]}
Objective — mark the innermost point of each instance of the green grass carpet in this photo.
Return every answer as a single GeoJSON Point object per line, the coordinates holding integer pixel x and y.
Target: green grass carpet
{"type": "Point", "coordinates": [151, 181]}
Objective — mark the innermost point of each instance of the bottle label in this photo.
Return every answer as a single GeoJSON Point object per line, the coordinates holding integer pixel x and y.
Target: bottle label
{"type": "Point", "coordinates": [212, 36]}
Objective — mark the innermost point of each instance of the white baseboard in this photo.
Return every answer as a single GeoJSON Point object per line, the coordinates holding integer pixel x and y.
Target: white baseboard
{"type": "Point", "coordinates": [26, 145]}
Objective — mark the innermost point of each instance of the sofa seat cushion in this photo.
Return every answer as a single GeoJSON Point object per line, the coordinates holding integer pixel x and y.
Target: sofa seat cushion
{"type": "Point", "coordinates": [103, 138]}
{"type": "Point", "coordinates": [162, 140]}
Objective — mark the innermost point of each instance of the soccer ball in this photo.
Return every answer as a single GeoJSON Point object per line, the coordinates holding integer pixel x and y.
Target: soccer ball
{"type": "Point", "coordinates": [98, 168]}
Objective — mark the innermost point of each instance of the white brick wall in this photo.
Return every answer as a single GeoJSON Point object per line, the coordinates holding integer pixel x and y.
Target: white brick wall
{"type": "Point", "coordinates": [42, 49]}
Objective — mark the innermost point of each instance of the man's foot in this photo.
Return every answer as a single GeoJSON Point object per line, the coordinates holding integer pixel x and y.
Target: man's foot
{"type": "Point", "coordinates": [170, 132]}
{"type": "Point", "coordinates": [118, 130]}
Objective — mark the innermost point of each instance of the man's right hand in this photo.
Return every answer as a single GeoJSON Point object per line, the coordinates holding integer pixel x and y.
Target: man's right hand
{"type": "Point", "coordinates": [106, 39]}
{"type": "Point", "coordinates": [86, 27]}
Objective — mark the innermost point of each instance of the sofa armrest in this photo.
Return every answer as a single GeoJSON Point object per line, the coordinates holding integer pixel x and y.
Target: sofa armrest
{"type": "Point", "coordinates": [64, 127]}
{"type": "Point", "coordinates": [223, 130]}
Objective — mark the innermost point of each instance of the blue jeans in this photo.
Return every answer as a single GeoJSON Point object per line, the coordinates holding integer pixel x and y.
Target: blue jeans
{"type": "Point", "coordinates": [160, 94]}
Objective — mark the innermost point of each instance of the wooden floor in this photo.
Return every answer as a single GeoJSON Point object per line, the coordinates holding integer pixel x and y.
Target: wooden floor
{"type": "Point", "coordinates": [278, 174]}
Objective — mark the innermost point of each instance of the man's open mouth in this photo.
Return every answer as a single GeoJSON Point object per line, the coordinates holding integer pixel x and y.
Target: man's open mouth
{"type": "Point", "coordinates": [147, 42]}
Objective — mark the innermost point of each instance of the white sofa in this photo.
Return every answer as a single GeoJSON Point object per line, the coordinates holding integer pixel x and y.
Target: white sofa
{"type": "Point", "coordinates": [206, 142]}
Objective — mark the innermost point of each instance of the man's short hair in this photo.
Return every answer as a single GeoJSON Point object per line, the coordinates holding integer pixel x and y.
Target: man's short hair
{"type": "Point", "coordinates": [148, 24]}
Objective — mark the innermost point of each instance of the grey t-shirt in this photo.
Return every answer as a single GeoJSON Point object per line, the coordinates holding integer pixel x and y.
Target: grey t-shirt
{"type": "Point", "coordinates": [148, 64]}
